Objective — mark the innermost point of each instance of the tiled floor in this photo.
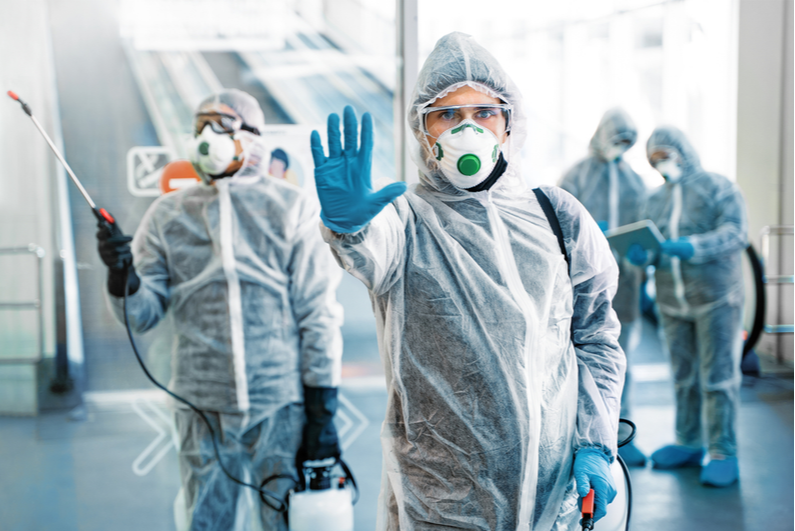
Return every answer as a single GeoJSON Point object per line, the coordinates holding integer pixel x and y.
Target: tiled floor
{"type": "Point", "coordinates": [66, 475]}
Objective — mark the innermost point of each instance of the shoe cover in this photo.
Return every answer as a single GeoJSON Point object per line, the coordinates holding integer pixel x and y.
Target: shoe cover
{"type": "Point", "coordinates": [720, 472]}
{"type": "Point", "coordinates": [675, 456]}
{"type": "Point", "coordinates": [632, 456]}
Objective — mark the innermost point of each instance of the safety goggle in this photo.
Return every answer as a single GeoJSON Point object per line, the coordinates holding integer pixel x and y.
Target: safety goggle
{"type": "Point", "coordinates": [436, 120]}
{"type": "Point", "coordinates": [222, 123]}
{"type": "Point", "coordinates": [662, 154]}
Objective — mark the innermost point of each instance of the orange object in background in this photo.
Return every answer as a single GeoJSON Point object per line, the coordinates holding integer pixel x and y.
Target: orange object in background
{"type": "Point", "coordinates": [176, 175]}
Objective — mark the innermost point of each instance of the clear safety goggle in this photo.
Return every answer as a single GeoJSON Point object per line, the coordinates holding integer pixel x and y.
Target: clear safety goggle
{"type": "Point", "coordinates": [222, 123]}
{"type": "Point", "coordinates": [659, 155]}
{"type": "Point", "coordinates": [436, 120]}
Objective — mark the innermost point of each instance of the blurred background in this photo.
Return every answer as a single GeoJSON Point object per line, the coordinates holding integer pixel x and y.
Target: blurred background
{"type": "Point", "coordinates": [85, 440]}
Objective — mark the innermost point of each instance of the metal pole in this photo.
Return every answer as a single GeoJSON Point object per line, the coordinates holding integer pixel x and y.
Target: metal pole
{"type": "Point", "coordinates": [407, 68]}
{"type": "Point", "coordinates": [65, 165]}
{"type": "Point", "coordinates": [39, 296]}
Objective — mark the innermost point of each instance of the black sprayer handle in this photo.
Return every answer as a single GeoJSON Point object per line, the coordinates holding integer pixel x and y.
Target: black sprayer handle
{"type": "Point", "coordinates": [107, 221]}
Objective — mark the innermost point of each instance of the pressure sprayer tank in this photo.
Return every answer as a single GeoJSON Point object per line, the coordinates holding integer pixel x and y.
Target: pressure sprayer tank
{"type": "Point", "coordinates": [321, 510]}
{"type": "Point", "coordinates": [617, 512]}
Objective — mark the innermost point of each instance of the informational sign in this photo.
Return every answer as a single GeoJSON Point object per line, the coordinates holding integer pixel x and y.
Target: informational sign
{"type": "Point", "coordinates": [145, 168]}
{"type": "Point", "coordinates": [289, 156]}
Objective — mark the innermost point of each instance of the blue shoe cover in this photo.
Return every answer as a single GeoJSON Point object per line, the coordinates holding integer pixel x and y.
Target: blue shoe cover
{"type": "Point", "coordinates": [675, 456]}
{"type": "Point", "coordinates": [632, 456]}
{"type": "Point", "coordinates": [720, 472]}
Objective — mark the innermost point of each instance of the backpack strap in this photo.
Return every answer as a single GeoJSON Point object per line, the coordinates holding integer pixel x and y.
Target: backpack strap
{"type": "Point", "coordinates": [552, 217]}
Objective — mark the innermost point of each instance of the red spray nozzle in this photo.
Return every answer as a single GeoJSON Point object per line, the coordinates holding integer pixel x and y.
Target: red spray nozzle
{"type": "Point", "coordinates": [25, 106]}
{"type": "Point", "coordinates": [587, 503]}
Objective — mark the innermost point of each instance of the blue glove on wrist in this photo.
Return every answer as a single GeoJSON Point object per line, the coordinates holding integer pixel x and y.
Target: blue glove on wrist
{"type": "Point", "coordinates": [680, 247]}
{"type": "Point", "coordinates": [637, 255]}
{"type": "Point", "coordinates": [346, 195]}
{"type": "Point", "coordinates": [592, 471]}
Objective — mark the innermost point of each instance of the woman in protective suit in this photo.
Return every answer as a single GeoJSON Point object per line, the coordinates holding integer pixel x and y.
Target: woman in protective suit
{"type": "Point", "coordinates": [503, 368]}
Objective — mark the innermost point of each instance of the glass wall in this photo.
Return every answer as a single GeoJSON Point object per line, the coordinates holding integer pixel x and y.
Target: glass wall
{"type": "Point", "coordinates": [663, 62]}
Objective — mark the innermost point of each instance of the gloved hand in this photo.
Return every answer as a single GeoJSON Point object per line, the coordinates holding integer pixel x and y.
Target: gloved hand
{"type": "Point", "coordinates": [603, 225]}
{"type": "Point", "coordinates": [320, 436]}
{"type": "Point", "coordinates": [114, 249]}
{"type": "Point", "coordinates": [592, 471]}
{"type": "Point", "coordinates": [343, 183]}
{"type": "Point", "coordinates": [637, 255]}
{"type": "Point", "coordinates": [680, 247]}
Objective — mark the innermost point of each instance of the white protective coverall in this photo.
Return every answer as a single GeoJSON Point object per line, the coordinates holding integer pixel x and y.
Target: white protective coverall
{"type": "Point", "coordinates": [499, 364]}
{"type": "Point", "coordinates": [701, 299]}
{"type": "Point", "coordinates": [612, 192]}
{"type": "Point", "coordinates": [251, 288]}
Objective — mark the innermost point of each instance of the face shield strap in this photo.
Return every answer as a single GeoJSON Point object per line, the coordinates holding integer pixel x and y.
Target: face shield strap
{"type": "Point", "coordinates": [496, 173]}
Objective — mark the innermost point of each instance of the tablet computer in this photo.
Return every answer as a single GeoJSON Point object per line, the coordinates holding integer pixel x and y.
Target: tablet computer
{"type": "Point", "coordinates": [643, 232]}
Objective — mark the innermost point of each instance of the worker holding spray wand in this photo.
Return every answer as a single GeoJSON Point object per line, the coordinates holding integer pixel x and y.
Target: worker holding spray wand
{"type": "Point", "coordinates": [239, 263]}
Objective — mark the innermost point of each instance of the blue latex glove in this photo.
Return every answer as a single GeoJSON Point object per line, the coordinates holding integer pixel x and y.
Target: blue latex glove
{"type": "Point", "coordinates": [637, 255]}
{"type": "Point", "coordinates": [346, 195]}
{"type": "Point", "coordinates": [603, 225]}
{"type": "Point", "coordinates": [681, 248]}
{"type": "Point", "coordinates": [592, 471]}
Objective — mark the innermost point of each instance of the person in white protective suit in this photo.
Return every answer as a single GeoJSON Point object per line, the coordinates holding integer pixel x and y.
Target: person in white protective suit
{"type": "Point", "coordinates": [503, 368]}
{"type": "Point", "coordinates": [613, 193]}
{"type": "Point", "coordinates": [238, 262]}
{"type": "Point", "coordinates": [700, 296]}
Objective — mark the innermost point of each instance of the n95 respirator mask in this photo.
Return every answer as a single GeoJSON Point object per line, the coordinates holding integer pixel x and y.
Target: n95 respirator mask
{"type": "Point", "coordinates": [669, 169]}
{"type": "Point", "coordinates": [467, 153]}
{"type": "Point", "coordinates": [213, 152]}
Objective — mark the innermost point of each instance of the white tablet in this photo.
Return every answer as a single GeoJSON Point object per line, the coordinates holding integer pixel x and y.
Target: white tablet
{"type": "Point", "coordinates": [644, 233]}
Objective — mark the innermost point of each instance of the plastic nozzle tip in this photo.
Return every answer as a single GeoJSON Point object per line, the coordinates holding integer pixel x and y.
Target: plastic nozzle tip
{"type": "Point", "coordinates": [12, 95]}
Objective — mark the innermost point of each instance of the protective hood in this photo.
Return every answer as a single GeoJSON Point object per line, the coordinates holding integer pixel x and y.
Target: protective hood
{"type": "Point", "coordinates": [242, 103]}
{"type": "Point", "coordinates": [669, 137]}
{"type": "Point", "coordinates": [455, 61]}
{"type": "Point", "coordinates": [246, 107]}
{"type": "Point", "coordinates": [615, 125]}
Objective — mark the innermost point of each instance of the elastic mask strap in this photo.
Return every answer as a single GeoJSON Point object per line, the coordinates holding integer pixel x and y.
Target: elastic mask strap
{"type": "Point", "coordinates": [495, 174]}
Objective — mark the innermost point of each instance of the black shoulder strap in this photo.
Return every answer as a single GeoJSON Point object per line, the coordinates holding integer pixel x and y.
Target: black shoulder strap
{"type": "Point", "coordinates": [552, 217]}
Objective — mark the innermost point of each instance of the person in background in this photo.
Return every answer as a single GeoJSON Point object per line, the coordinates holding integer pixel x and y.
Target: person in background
{"type": "Point", "coordinates": [700, 298]}
{"type": "Point", "coordinates": [613, 193]}
{"type": "Point", "coordinates": [279, 163]}
{"type": "Point", "coordinates": [238, 262]}
{"type": "Point", "coordinates": [503, 368]}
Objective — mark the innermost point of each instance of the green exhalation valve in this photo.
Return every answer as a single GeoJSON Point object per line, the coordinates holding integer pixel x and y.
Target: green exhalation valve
{"type": "Point", "coordinates": [469, 164]}
{"type": "Point", "coordinates": [204, 148]}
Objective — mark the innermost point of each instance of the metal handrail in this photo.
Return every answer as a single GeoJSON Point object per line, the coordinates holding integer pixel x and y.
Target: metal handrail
{"type": "Point", "coordinates": [28, 305]}
{"type": "Point", "coordinates": [764, 236]}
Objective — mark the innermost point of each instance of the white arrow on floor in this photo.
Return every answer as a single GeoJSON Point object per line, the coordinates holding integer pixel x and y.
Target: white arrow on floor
{"type": "Point", "coordinates": [163, 424]}
{"type": "Point", "coordinates": [352, 420]}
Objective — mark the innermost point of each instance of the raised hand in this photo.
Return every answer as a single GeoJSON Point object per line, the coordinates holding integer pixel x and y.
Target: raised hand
{"type": "Point", "coordinates": [343, 181]}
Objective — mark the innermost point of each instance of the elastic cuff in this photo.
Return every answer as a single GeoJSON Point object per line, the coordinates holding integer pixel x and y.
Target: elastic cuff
{"type": "Point", "coordinates": [339, 228]}
{"type": "Point", "coordinates": [596, 450]}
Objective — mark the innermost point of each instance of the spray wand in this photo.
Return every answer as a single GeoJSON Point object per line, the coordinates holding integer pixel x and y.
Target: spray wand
{"type": "Point", "coordinates": [101, 214]}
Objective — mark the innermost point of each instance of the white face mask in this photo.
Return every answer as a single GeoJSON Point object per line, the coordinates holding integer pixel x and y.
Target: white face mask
{"type": "Point", "coordinates": [669, 169]}
{"type": "Point", "coordinates": [213, 152]}
{"type": "Point", "coordinates": [614, 151]}
{"type": "Point", "coordinates": [467, 153]}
